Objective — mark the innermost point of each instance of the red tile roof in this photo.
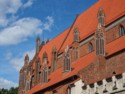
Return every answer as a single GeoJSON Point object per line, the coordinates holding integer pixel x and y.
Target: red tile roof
{"type": "Point", "coordinates": [56, 42]}
{"type": "Point", "coordinates": [87, 24]}
{"type": "Point", "coordinates": [81, 63]}
{"type": "Point", "coordinates": [87, 21]}
{"type": "Point", "coordinates": [57, 76]}
{"type": "Point", "coordinates": [115, 46]}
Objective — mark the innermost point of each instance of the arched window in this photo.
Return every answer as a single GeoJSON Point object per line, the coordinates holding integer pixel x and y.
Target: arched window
{"type": "Point", "coordinates": [91, 48]}
{"type": "Point", "coordinates": [77, 53]}
{"type": "Point", "coordinates": [101, 17]}
{"type": "Point", "coordinates": [121, 30]}
{"type": "Point", "coordinates": [76, 35]}
{"type": "Point", "coordinates": [67, 66]}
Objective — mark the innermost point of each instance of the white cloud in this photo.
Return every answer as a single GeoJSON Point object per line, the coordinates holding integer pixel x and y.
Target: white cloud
{"type": "Point", "coordinates": [48, 24]}
{"type": "Point", "coordinates": [18, 62]}
{"type": "Point", "coordinates": [8, 7]}
{"type": "Point", "coordinates": [11, 7]}
{"type": "Point", "coordinates": [28, 3]}
{"type": "Point", "coordinates": [22, 29]}
{"type": "Point", "coordinates": [4, 83]}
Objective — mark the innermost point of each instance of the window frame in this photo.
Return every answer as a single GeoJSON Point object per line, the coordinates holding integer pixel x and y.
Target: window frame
{"type": "Point", "coordinates": [121, 30]}
{"type": "Point", "coordinates": [91, 47]}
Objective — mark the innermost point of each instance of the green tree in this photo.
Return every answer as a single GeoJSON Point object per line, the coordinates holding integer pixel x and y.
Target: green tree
{"type": "Point", "coordinates": [12, 90]}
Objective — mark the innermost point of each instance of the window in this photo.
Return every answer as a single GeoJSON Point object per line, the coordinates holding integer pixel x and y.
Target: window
{"type": "Point", "coordinates": [54, 92]}
{"type": "Point", "coordinates": [31, 70]}
{"type": "Point", "coordinates": [77, 52]}
{"type": "Point", "coordinates": [100, 49]}
{"type": "Point", "coordinates": [37, 70]}
{"type": "Point", "coordinates": [45, 75]}
{"type": "Point", "coordinates": [91, 47]}
{"type": "Point", "coordinates": [76, 35]}
{"type": "Point", "coordinates": [27, 85]}
{"type": "Point", "coordinates": [101, 17]}
{"type": "Point", "coordinates": [39, 77]}
{"type": "Point", "coordinates": [97, 44]}
{"type": "Point", "coordinates": [38, 65]}
{"type": "Point", "coordinates": [121, 31]}
{"type": "Point", "coordinates": [25, 74]}
{"type": "Point", "coordinates": [45, 58]}
{"type": "Point", "coordinates": [54, 56]}
{"type": "Point", "coordinates": [69, 90]}
{"type": "Point", "coordinates": [102, 44]}
{"type": "Point", "coordinates": [32, 81]}
{"type": "Point", "coordinates": [67, 66]}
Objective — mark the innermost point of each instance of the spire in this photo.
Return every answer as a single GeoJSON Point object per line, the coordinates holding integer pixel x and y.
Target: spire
{"type": "Point", "coordinates": [38, 38]}
{"type": "Point", "coordinates": [37, 44]}
{"type": "Point", "coordinates": [101, 17]}
{"type": "Point", "coordinates": [26, 60]}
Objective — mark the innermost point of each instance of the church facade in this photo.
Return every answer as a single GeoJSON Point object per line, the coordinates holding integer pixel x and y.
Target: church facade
{"type": "Point", "coordinates": [87, 58]}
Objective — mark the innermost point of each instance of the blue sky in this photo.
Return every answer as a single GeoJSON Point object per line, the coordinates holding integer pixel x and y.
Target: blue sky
{"type": "Point", "coordinates": [21, 21]}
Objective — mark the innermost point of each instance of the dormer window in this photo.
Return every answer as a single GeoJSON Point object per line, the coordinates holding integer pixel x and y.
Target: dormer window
{"type": "Point", "coordinates": [101, 17]}
{"type": "Point", "coordinates": [121, 30]}
{"type": "Point", "coordinates": [76, 35]}
{"type": "Point", "coordinates": [91, 48]}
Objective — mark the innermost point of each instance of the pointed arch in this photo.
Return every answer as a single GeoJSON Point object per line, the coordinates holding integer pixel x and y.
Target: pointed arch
{"type": "Point", "coordinates": [121, 30]}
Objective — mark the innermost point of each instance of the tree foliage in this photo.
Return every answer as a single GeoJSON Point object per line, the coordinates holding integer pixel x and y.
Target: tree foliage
{"type": "Point", "coordinates": [12, 90]}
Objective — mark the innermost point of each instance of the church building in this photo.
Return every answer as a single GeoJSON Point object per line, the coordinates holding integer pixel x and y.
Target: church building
{"type": "Point", "coordinates": [86, 58]}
